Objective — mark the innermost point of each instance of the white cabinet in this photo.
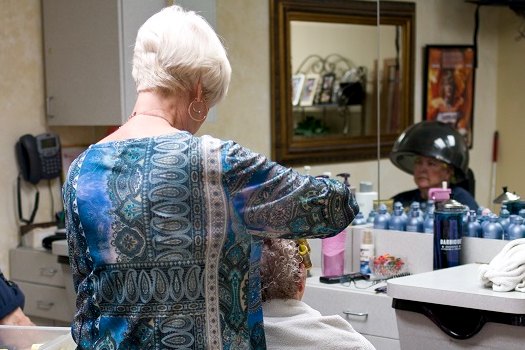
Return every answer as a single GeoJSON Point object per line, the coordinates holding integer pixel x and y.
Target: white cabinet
{"type": "Point", "coordinates": [370, 314]}
{"type": "Point", "coordinates": [40, 277]}
{"type": "Point", "coordinates": [88, 50]}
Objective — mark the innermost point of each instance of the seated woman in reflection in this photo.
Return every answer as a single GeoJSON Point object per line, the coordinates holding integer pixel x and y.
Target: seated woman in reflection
{"type": "Point", "coordinates": [289, 323]}
{"type": "Point", "coordinates": [432, 152]}
{"type": "Point", "coordinates": [11, 304]}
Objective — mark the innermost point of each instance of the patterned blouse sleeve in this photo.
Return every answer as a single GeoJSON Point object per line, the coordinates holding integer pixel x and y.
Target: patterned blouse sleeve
{"type": "Point", "coordinates": [280, 202]}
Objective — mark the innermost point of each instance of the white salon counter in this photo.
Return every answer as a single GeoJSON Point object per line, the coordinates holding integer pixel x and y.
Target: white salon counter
{"type": "Point", "coordinates": [451, 309]}
{"type": "Point", "coordinates": [456, 286]}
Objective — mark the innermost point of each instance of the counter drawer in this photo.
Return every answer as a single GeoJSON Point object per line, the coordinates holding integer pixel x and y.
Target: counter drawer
{"type": "Point", "coordinates": [47, 302]}
{"type": "Point", "coordinates": [35, 266]}
{"type": "Point", "coordinates": [368, 313]}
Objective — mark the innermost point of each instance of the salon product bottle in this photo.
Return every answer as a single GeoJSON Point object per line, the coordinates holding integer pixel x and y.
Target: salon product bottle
{"type": "Point", "coordinates": [448, 233]}
{"type": "Point", "coordinates": [382, 217]}
{"type": "Point", "coordinates": [333, 254]}
{"type": "Point", "coordinates": [371, 217]}
{"type": "Point", "coordinates": [416, 206]}
{"type": "Point", "coordinates": [359, 219]}
{"type": "Point", "coordinates": [504, 220]}
{"type": "Point", "coordinates": [366, 252]}
{"type": "Point", "coordinates": [429, 207]}
{"type": "Point", "coordinates": [397, 221]}
{"type": "Point", "coordinates": [521, 213]}
{"type": "Point", "coordinates": [428, 225]}
{"type": "Point", "coordinates": [474, 227]}
{"type": "Point", "coordinates": [345, 177]}
{"type": "Point", "coordinates": [414, 222]}
{"type": "Point", "coordinates": [516, 229]}
{"type": "Point", "coordinates": [366, 196]}
{"type": "Point", "coordinates": [493, 228]}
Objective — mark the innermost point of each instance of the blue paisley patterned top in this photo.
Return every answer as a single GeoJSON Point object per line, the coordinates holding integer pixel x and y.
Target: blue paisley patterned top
{"type": "Point", "coordinates": [165, 237]}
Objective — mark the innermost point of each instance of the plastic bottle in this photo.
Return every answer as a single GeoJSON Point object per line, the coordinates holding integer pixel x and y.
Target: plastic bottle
{"type": "Point", "coordinates": [516, 229]}
{"type": "Point", "coordinates": [493, 228]}
{"type": "Point", "coordinates": [333, 254]}
{"type": "Point", "coordinates": [359, 219]}
{"type": "Point", "coordinates": [366, 252]}
{"type": "Point", "coordinates": [365, 196]}
{"type": "Point", "coordinates": [414, 222]}
{"type": "Point", "coordinates": [397, 220]}
{"type": "Point", "coordinates": [474, 227]}
{"type": "Point", "coordinates": [428, 225]}
{"type": "Point", "coordinates": [371, 217]}
{"type": "Point", "coordinates": [382, 218]}
{"type": "Point", "coordinates": [504, 220]}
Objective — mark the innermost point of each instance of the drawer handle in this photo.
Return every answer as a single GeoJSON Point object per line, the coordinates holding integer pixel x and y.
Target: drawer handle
{"type": "Point", "coordinates": [48, 271]}
{"type": "Point", "coordinates": [362, 314]}
{"type": "Point", "coordinates": [44, 305]}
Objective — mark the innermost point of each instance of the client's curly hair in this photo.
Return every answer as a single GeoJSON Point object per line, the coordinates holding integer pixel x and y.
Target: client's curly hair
{"type": "Point", "coordinates": [281, 269]}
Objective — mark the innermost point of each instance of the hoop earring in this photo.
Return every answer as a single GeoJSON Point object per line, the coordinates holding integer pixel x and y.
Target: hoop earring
{"type": "Point", "coordinates": [198, 110]}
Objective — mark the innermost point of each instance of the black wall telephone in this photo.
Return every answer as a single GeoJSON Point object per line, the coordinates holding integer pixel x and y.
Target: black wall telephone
{"type": "Point", "coordinates": [39, 157]}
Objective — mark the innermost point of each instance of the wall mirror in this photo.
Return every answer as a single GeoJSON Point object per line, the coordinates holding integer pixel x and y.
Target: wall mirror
{"type": "Point", "coordinates": [328, 65]}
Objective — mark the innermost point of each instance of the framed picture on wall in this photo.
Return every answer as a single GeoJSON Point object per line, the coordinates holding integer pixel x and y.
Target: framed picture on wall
{"type": "Point", "coordinates": [448, 90]}
{"type": "Point", "coordinates": [297, 88]}
{"type": "Point", "coordinates": [311, 83]}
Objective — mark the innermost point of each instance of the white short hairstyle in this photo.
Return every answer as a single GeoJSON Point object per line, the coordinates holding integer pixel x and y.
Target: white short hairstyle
{"type": "Point", "coordinates": [174, 49]}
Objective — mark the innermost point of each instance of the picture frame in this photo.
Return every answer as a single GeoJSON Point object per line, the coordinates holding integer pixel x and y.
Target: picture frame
{"type": "Point", "coordinates": [327, 88]}
{"type": "Point", "coordinates": [449, 86]}
{"type": "Point", "coordinates": [311, 83]}
{"type": "Point", "coordinates": [297, 88]}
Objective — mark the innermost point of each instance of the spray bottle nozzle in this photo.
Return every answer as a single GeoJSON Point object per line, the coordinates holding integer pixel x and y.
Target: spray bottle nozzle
{"type": "Point", "coordinates": [345, 177]}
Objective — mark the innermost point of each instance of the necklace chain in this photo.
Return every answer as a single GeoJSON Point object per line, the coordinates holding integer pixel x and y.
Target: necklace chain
{"type": "Point", "coordinates": [149, 114]}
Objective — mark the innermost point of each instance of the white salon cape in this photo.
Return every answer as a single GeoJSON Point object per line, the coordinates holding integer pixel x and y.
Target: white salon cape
{"type": "Point", "coordinates": [293, 325]}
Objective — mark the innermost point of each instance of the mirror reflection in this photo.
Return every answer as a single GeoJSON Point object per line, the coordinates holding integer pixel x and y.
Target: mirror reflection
{"type": "Point", "coordinates": [329, 85]}
{"type": "Point", "coordinates": [334, 90]}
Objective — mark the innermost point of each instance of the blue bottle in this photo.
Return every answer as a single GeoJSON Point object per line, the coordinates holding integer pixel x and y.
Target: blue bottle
{"type": "Point", "coordinates": [359, 219]}
{"type": "Point", "coordinates": [504, 220]}
{"type": "Point", "coordinates": [521, 213]}
{"type": "Point", "coordinates": [474, 227]}
{"type": "Point", "coordinates": [428, 225]}
{"type": "Point", "coordinates": [382, 218]}
{"type": "Point", "coordinates": [414, 222]}
{"type": "Point", "coordinates": [516, 229]}
{"type": "Point", "coordinates": [448, 233]}
{"type": "Point", "coordinates": [398, 220]}
{"type": "Point", "coordinates": [371, 217]}
{"type": "Point", "coordinates": [493, 228]}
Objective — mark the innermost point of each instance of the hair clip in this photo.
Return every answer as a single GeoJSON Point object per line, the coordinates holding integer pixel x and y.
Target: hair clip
{"type": "Point", "coordinates": [304, 252]}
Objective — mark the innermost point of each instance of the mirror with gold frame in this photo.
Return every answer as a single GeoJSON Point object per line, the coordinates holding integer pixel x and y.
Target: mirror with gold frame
{"type": "Point", "coordinates": [329, 63]}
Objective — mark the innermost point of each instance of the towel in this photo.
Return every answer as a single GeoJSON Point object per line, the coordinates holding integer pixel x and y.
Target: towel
{"type": "Point", "coordinates": [506, 271]}
{"type": "Point", "coordinates": [293, 325]}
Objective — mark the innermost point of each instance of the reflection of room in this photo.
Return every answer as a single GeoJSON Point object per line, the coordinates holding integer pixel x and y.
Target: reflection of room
{"type": "Point", "coordinates": [345, 40]}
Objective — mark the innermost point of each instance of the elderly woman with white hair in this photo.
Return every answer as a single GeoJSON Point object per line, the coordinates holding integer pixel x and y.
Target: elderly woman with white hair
{"type": "Point", "coordinates": [164, 227]}
{"type": "Point", "coordinates": [289, 323]}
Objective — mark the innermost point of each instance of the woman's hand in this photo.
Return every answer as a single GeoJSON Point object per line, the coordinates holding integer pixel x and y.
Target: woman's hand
{"type": "Point", "coordinates": [16, 318]}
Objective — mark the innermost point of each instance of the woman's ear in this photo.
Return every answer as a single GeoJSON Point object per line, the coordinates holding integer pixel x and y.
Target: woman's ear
{"type": "Point", "coordinates": [301, 284]}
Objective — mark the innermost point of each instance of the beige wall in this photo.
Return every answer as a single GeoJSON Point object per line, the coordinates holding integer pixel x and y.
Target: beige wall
{"type": "Point", "coordinates": [21, 109]}
{"type": "Point", "coordinates": [510, 108]}
{"type": "Point", "coordinates": [245, 115]}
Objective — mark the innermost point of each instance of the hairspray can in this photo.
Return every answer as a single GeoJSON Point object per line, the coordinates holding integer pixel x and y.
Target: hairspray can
{"type": "Point", "coordinates": [448, 233]}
